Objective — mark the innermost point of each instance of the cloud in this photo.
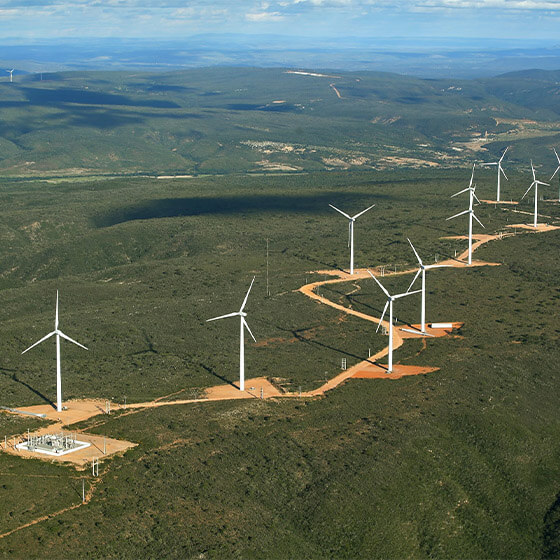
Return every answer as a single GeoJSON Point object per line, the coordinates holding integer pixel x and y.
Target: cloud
{"type": "Point", "coordinates": [180, 18]}
{"type": "Point", "coordinates": [536, 5]}
{"type": "Point", "coordinates": [264, 16]}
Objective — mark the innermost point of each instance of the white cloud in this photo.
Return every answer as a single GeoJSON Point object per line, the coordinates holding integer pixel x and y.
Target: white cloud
{"type": "Point", "coordinates": [493, 4]}
{"type": "Point", "coordinates": [264, 16]}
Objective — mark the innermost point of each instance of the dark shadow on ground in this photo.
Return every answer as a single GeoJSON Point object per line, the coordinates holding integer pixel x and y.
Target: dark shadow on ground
{"type": "Point", "coordinates": [297, 333]}
{"type": "Point", "coordinates": [11, 375]}
{"type": "Point", "coordinates": [213, 372]}
{"type": "Point", "coordinates": [195, 206]}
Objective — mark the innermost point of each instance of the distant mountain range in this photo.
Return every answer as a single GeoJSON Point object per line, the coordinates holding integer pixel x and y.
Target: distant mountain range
{"type": "Point", "coordinates": [435, 58]}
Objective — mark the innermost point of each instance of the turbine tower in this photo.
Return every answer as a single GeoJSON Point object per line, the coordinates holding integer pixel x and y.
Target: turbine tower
{"type": "Point", "coordinates": [500, 170]}
{"type": "Point", "coordinates": [535, 184]}
{"type": "Point", "coordinates": [243, 324]}
{"type": "Point", "coordinates": [389, 303]}
{"type": "Point", "coordinates": [557, 169]}
{"type": "Point", "coordinates": [470, 212]}
{"type": "Point", "coordinates": [422, 270]}
{"type": "Point", "coordinates": [59, 334]}
{"type": "Point", "coordinates": [351, 220]}
{"type": "Point", "coordinates": [11, 72]}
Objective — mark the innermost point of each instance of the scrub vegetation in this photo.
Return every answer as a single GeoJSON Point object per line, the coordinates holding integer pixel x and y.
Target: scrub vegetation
{"type": "Point", "coordinates": [227, 120]}
{"type": "Point", "coordinates": [460, 463]}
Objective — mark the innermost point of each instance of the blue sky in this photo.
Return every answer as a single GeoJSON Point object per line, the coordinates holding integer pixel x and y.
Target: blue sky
{"type": "Point", "coordinates": [170, 19]}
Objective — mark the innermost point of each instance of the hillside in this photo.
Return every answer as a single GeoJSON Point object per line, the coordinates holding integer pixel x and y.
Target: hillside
{"type": "Point", "coordinates": [458, 463]}
{"type": "Point", "coordinates": [267, 120]}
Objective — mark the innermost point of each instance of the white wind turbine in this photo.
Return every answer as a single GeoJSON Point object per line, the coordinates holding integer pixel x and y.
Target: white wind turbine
{"type": "Point", "coordinates": [557, 169]}
{"type": "Point", "coordinates": [500, 170]}
{"type": "Point", "coordinates": [241, 314]}
{"type": "Point", "coordinates": [11, 72]}
{"type": "Point", "coordinates": [470, 212]}
{"type": "Point", "coordinates": [535, 184]}
{"type": "Point", "coordinates": [389, 303]}
{"type": "Point", "coordinates": [351, 220]}
{"type": "Point", "coordinates": [422, 270]}
{"type": "Point", "coordinates": [59, 334]}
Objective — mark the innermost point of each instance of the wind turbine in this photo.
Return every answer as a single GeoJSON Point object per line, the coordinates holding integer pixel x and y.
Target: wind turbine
{"type": "Point", "coordinates": [389, 303]}
{"type": "Point", "coordinates": [422, 270]}
{"type": "Point", "coordinates": [59, 334]}
{"type": "Point", "coordinates": [500, 170]}
{"type": "Point", "coordinates": [351, 220]}
{"type": "Point", "coordinates": [241, 314]}
{"type": "Point", "coordinates": [557, 169]}
{"type": "Point", "coordinates": [470, 212]}
{"type": "Point", "coordinates": [535, 184]}
{"type": "Point", "coordinates": [11, 72]}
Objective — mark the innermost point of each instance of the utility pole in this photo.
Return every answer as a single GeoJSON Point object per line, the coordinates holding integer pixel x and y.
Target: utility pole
{"type": "Point", "coordinates": [267, 287]}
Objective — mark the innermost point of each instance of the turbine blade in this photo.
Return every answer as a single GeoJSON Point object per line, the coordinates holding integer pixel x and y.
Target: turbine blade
{"type": "Point", "coordinates": [56, 315]}
{"type": "Point", "coordinates": [533, 170]}
{"type": "Point", "coordinates": [382, 315]}
{"type": "Point", "coordinates": [417, 256]}
{"type": "Point", "coordinates": [474, 196]}
{"type": "Point", "coordinates": [472, 174]}
{"type": "Point", "coordinates": [415, 278]}
{"type": "Point", "coordinates": [248, 329]}
{"type": "Point", "coordinates": [557, 156]}
{"type": "Point", "coordinates": [39, 341]}
{"type": "Point", "coordinates": [504, 154]}
{"type": "Point", "coordinates": [488, 164]}
{"type": "Point", "coordinates": [530, 187]}
{"type": "Point", "coordinates": [406, 294]}
{"type": "Point", "coordinates": [349, 231]}
{"type": "Point", "coordinates": [427, 267]}
{"type": "Point", "coordinates": [379, 283]}
{"type": "Point", "coordinates": [72, 340]}
{"type": "Point", "coordinates": [363, 212]}
{"type": "Point", "coordinates": [340, 211]}
{"type": "Point", "coordinates": [557, 169]}
{"type": "Point", "coordinates": [246, 296]}
{"type": "Point", "coordinates": [541, 183]}
{"type": "Point", "coordinates": [500, 168]}
{"type": "Point", "coordinates": [236, 314]}
{"type": "Point", "coordinates": [459, 214]}
{"type": "Point", "coordinates": [474, 216]}
{"type": "Point", "coordinates": [460, 192]}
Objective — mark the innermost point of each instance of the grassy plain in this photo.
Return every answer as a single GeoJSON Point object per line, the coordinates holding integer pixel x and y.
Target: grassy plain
{"type": "Point", "coordinates": [460, 463]}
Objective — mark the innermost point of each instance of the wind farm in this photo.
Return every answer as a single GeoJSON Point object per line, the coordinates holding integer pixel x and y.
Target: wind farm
{"type": "Point", "coordinates": [355, 425]}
